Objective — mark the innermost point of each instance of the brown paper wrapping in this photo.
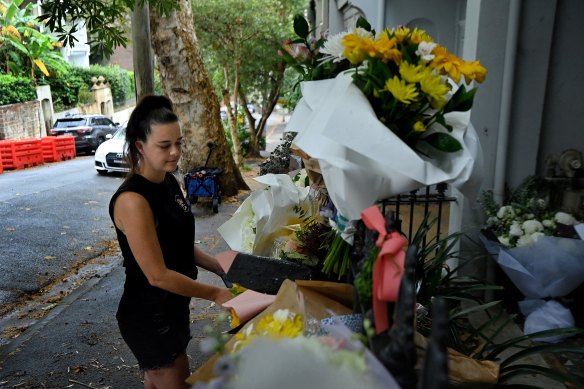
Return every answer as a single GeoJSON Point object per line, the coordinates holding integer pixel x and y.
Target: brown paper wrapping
{"type": "Point", "coordinates": [312, 299]}
{"type": "Point", "coordinates": [317, 299]}
{"type": "Point", "coordinates": [463, 371]}
{"type": "Point", "coordinates": [311, 165]}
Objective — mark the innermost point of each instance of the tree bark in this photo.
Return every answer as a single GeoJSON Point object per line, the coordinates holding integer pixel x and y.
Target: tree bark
{"type": "Point", "coordinates": [142, 55]}
{"type": "Point", "coordinates": [186, 82]}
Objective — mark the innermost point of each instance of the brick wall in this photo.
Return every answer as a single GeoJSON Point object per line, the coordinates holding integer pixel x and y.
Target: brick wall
{"type": "Point", "coordinates": [23, 120]}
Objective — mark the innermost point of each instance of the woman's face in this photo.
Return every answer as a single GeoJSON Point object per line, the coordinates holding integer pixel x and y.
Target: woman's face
{"type": "Point", "coordinates": [162, 149]}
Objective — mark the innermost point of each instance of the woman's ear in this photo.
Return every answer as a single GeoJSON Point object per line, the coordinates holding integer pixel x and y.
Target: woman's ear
{"type": "Point", "coordinates": [140, 146]}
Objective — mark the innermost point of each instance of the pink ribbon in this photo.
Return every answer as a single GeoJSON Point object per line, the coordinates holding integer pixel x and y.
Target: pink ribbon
{"type": "Point", "coordinates": [389, 266]}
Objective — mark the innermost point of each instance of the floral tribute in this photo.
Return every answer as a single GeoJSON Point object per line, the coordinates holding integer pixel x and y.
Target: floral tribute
{"type": "Point", "coordinates": [407, 77]}
{"type": "Point", "coordinates": [526, 217]}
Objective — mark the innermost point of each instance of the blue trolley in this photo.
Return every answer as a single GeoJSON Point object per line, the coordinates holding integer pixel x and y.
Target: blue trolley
{"type": "Point", "coordinates": [203, 181]}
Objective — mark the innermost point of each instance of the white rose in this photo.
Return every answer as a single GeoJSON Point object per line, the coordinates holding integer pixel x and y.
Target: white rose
{"type": "Point", "coordinates": [515, 229]}
{"type": "Point", "coordinates": [524, 240]}
{"type": "Point", "coordinates": [425, 51]}
{"type": "Point", "coordinates": [504, 240]}
{"type": "Point", "coordinates": [531, 226]}
{"type": "Point", "coordinates": [548, 223]}
{"type": "Point", "coordinates": [565, 218]}
{"type": "Point", "coordinates": [506, 211]}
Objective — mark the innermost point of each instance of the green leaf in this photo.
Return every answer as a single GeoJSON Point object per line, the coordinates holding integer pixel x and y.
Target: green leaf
{"type": "Point", "coordinates": [461, 101]}
{"type": "Point", "coordinates": [440, 120]}
{"type": "Point", "coordinates": [301, 26]}
{"type": "Point", "coordinates": [541, 334]}
{"type": "Point", "coordinates": [519, 370]}
{"type": "Point", "coordinates": [475, 308]}
{"type": "Point", "coordinates": [363, 23]}
{"type": "Point", "coordinates": [443, 142]}
{"type": "Point", "coordinates": [548, 348]}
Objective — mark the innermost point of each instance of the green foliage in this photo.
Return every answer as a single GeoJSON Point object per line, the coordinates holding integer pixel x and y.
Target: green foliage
{"type": "Point", "coordinates": [243, 135]}
{"type": "Point", "coordinates": [65, 89]}
{"type": "Point", "coordinates": [118, 79]}
{"type": "Point", "coordinates": [24, 49]}
{"type": "Point", "coordinates": [16, 89]}
{"type": "Point", "coordinates": [247, 33]}
{"type": "Point", "coordinates": [85, 96]}
{"type": "Point", "coordinates": [100, 17]}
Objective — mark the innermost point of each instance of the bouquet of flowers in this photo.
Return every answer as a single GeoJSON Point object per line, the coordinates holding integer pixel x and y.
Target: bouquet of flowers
{"type": "Point", "coordinates": [405, 75]}
{"type": "Point", "coordinates": [384, 111]}
{"type": "Point", "coordinates": [335, 360]}
{"type": "Point", "coordinates": [525, 218]}
{"type": "Point", "coordinates": [539, 250]}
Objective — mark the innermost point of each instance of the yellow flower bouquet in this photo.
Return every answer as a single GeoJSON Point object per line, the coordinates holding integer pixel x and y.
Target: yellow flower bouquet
{"type": "Point", "coordinates": [357, 85]}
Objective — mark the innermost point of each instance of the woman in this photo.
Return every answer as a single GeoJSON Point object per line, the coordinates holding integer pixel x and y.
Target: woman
{"type": "Point", "coordinates": [155, 229]}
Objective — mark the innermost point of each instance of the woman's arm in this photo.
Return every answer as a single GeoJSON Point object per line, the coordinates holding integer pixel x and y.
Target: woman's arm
{"type": "Point", "coordinates": [207, 262]}
{"type": "Point", "coordinates": [133, 216]}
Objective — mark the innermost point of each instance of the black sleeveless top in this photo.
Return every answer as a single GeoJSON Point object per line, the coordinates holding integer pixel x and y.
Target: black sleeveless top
{"type": "Point", "coordinates": [175, 228]}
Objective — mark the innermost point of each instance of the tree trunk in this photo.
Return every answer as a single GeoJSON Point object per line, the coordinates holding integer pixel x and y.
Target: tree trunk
{"type": "Point", "coordinates": [232, 115]}
{"type": "Point", "coordinates": [254, 150]}
{"type": "Point", "coordinates": [142, 55]}
{"type": "Point", "coordinates": [186, 82]}
{"type": "Point", "coordinates": [270, 104]}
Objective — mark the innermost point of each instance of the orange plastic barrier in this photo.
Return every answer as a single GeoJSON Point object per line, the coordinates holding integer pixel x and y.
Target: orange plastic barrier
{"type": "Point", "coordinates": [21, 153]}
{"type": "Point", "coordinates": [1, 164]}
{"type": "Point", "coordinates": [58, 148]}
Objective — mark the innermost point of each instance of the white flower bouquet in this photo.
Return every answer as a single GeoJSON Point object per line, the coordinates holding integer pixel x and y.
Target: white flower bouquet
{"type": "Point", "coordinates": [525, 239]}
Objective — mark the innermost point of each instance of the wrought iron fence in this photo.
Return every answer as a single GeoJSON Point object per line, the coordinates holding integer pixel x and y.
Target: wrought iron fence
{"type": "Point", "coordinates": [406, 205]}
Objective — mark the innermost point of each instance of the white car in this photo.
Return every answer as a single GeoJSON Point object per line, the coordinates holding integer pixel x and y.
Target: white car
{"type": "Point", "coordinates": [109, 156]}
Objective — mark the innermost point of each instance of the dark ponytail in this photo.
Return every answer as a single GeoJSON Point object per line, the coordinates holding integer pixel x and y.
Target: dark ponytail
{"type": "Point", "coordinates": [150, 110]}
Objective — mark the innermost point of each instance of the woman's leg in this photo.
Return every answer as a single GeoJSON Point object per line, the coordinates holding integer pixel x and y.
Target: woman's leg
{"type": "Point", "coordinates": [171, 377]}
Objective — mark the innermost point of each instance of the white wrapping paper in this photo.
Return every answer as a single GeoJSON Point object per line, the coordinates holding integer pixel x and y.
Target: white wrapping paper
{"type": "Point", "coordinates": [362, 160]}
{"type": "Point", "coordinates": [273, 212]}
{"type": "Point", "coordinates": [551, 267]}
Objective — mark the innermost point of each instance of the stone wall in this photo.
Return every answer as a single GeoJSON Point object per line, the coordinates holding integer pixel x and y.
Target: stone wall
{"type": "Point", "coordinates": [23, 120]}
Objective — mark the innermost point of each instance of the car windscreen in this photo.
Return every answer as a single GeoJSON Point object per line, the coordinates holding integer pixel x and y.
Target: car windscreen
{"type": "Point", "coordinates": [66, 123]}
{"type": "Point", "coordinates": [120, 134]}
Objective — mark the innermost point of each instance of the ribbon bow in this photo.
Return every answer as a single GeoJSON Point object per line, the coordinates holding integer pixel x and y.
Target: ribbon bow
{"type": "Point", "coordinates": [389, 266]}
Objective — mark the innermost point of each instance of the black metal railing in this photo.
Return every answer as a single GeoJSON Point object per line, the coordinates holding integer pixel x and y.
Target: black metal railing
{"type": "Point", "coordinates": [400, 203]}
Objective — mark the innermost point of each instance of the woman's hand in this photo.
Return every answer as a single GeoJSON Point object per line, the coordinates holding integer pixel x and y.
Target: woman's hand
{"type": "Point", "coordinates": [223, 295]}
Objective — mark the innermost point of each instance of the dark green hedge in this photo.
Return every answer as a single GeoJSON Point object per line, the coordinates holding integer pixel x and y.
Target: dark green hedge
{"type": "Point", "coordinates": [119, 80]}
{"type": "Point", "coordinates": [16, 90]}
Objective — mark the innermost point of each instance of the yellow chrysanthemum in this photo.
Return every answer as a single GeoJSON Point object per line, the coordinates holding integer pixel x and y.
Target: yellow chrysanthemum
{"type": "Point", "coordinates": [418, 36]}
{"type": "Point", "coordinates": [276, 325]}
{"type": "Point", "coordinates": [401, 34]}
{"type": "Point", "coordinates": [406, 93]}
{"type": "Point", "coordinates": [386, 49]}
{"type": "Point", "coordinates": [354, 48]}
{"type": "Point", "coordinates": [410, 72]}
{"type": "Point", "coordinates": [434, 86]}
{"type": "Point", "coordinates": [419, 126]}
{"type": "Point", "coordinates": [455, 67]}
{"type": "Point", "coordinates": [473, 71]}
{"type": "Point", "coordinates": [2, 9]}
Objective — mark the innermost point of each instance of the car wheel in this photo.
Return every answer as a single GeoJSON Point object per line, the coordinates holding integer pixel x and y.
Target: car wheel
{"type": "Point", "coordinates": [100, 140]}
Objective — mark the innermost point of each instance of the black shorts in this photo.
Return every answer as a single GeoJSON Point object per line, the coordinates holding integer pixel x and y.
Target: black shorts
{"type": "Point", "coordinates": [156, 347]}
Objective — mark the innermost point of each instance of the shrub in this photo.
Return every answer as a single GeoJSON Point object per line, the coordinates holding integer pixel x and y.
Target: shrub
{"type": "Point", "coordinates": [65, 89]}
{"type": "Point", "coordinates": [244, 138]}
{"type": "Point", "coordinates": [117, 78]}
{"type": "Point", "coordinates": [16, 89]}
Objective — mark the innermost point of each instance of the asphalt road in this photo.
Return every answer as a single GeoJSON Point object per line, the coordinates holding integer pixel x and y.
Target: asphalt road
{"type": "Point", "coordinates": [53, 218]}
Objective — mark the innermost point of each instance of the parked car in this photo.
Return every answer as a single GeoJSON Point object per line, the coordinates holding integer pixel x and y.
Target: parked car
{"type": "Point", "coordinates": [89, 130]}
{"type": "Point", "coordinates": [110, 155]}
